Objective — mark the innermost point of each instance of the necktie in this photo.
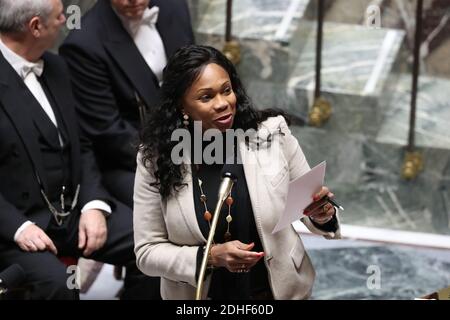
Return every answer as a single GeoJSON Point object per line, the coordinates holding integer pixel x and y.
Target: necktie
{"type": "Point", "coordinates": [36, 68]}
{"type": "Point", "coordinates": [150, 17]}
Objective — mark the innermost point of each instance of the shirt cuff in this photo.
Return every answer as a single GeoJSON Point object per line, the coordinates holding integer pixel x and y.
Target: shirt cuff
{"type": "Point", "coordinates": [21, 228]}
{"type": "Point", "coordinates": [98, 205]}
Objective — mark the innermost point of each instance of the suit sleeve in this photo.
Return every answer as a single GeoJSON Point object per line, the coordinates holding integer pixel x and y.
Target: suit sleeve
{"type": "Point", "coordinates": [298, 166]}
{"type": "Point", "coordinates": [99, 114]}
{"type": "Point", "coordinates": [10, 219]}
{"type": "Point", "coordinates": [188, 22]}
{"type": "Point", "coordinates": [91, 185]}
{"type": "Point", "coordinates": [90, 180]}
{"type": "Point", "coordinates": [156, 255]}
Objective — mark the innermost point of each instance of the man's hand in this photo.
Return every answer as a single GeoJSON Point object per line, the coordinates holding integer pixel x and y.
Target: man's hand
{"type": "Point", "coordinates": [92, 231]}
{"type": "Point", "coordinates": [33, 239]}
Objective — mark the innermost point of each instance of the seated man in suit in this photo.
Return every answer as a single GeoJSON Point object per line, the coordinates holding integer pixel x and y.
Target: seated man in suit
{"type": "Point", "coordinates": [52, 202]}
{"type": "Point", "coordinates": [116, 61]}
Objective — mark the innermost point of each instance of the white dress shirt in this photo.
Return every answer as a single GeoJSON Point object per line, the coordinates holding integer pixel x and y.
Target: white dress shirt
{"type": "Point", "coordinates": [148, 40]}
{"type": "Point", "coordinates": [29, 72]}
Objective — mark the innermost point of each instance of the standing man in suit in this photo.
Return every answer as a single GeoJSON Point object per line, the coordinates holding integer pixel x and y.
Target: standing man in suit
{"type": "Point", "coordinates": [52, 202]}
{"type": "Point", "coordinates": [116, 61]}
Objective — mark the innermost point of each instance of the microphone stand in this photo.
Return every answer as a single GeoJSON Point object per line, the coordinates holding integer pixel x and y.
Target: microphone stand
{"type": "Point", "coordinates": [224, 190]}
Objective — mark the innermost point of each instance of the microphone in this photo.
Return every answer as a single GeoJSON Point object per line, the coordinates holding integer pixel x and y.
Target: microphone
{"type": "Point", "coordinates": [11, 277]}
{"type": "Point", "coordinates": [229, 178]}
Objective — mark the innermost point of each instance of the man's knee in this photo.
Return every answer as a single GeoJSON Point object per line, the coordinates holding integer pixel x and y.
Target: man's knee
{"type": "Point", "coordinates": [58, 286]}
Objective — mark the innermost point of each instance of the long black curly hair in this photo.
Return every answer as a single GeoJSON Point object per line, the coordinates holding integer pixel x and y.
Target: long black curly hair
{"type": "Point", "coordinates": [182, 70]}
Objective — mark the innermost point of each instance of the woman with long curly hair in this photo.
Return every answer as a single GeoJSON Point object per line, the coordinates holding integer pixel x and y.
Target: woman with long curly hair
{"type": "Point", "coordinates": [173, 199]}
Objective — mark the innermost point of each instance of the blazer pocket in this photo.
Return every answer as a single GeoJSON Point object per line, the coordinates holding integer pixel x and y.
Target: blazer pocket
{"type": "Point", "coordinates": [278, 178]}
{"type": "Point", "coordinates": [298, 253]}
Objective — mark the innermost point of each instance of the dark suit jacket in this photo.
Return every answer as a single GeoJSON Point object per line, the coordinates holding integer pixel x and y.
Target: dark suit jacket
{"type": "Point", "coordinates": [107, 69]}
{"type": "Point", "coordinates": [20, 154]}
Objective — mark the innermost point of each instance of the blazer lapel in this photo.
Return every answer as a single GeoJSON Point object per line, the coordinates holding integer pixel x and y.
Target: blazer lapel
{"type": "Point", "coordinates": [167, 28]}
{"type": "Point", "coordinates": [249, 162]}
{"type": "Point", "coordinates": [15, 99]}
{"type": "Point", "coordinates": [185, 198]}
{"type": "Point", "coordinates": [122, 49]}
{"type": "Point", "coordinates": [185, 201]}
{"type": "Point", "coordinates": [44, 124]}
{"type": "Point", "coordinates": [66, 113]}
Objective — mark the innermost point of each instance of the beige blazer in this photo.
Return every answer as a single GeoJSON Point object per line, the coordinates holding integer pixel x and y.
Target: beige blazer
{"type": "Point", "coordinates": [167, 235]}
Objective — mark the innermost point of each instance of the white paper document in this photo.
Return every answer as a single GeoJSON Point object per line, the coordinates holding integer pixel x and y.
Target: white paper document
{"type": "Point", "coordinates": [300, 194]}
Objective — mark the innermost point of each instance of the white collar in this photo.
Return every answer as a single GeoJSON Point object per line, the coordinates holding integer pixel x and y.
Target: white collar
{"type": "Point", "coordinates": [132, 26]}
{"type": "Point", "coordinates": [16, 61]}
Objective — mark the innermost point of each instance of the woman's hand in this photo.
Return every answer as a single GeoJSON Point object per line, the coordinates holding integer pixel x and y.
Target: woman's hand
{"type": "Point", "coordinates": [321, 211]}
{"type": "Point", "coordinates": [235, 256]}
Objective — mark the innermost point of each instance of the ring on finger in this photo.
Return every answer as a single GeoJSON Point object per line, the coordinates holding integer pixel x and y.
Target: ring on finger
{"type": "Point", "coordinates": [31, 245]}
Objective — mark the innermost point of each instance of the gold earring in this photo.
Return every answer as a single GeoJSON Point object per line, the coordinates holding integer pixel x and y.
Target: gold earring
{"type": "Point", "coordinates": [186, 120]}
